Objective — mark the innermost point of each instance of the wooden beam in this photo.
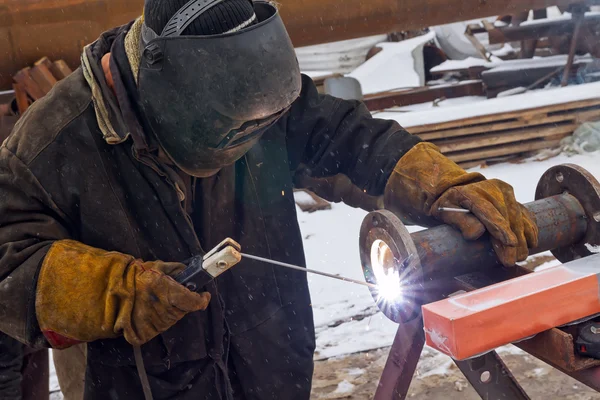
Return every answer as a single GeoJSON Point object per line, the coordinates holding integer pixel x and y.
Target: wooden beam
{"type": "Point", "coordinates": [493, 139]}
{"type": "Point", "coordinates": [503, 150]}
{"type": "Point", "coordinates": [60, 69]}
{"type": "Point", "coordinates": [21, 98]}
{"type": "Point", "coordinates": [381, 101]}
{"type": "Point", "coordinates": [43, 77]}
{"type": "Point", "coordinates": [44, 61]}
{"type": "Point", "coordinates": [23, 77]}
{"type": "Point", "coordinates": [531, 113]}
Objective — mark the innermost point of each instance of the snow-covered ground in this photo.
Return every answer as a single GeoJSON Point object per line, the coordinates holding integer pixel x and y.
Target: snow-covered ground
{"type": "Point", "coordinates": [346, 318]}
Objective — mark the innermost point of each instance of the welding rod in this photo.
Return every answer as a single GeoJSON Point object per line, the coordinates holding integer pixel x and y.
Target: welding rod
{"type": "Point", "coordinates": [310, 271]}
{"type": "Point", "coordinates": [456, 210]}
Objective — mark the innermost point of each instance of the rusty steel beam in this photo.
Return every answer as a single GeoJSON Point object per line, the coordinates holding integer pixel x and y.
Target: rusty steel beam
{"type": "Point", "coordinates": [540, 30]}
{"type": "Point", "coordinates": [31, 29]}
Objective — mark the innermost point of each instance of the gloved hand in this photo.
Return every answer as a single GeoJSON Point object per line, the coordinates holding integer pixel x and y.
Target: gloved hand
{"type": "Point", "coordinates": [424, 180]}
{"type": "Point", "coordinates": [86, 294]}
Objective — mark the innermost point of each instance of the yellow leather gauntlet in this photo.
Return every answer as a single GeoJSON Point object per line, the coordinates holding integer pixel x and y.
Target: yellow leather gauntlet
{"type": "Point", "coordinates": [425, 180]}
{"type": "Point", "coordinates": [85, 294]}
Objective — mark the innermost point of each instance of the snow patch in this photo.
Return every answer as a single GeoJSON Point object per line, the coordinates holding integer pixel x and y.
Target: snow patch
{"type": "Point", "coordinates": [548, 265]}
{"type": "Point", "coordinates": [592, 249]}
{"type": "Point", "coordinates": [356, 372]}
{"type": "Point", "coordinates": [400, 65]}
{"type": "Point", "coordinates": [304, 198]}
{"type": "Point", "coordinates": [344, 387]}
{"type": "Point", "coordinates": [525, 101]}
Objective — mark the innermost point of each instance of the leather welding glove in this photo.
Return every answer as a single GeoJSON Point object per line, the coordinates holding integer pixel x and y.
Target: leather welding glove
{"type": "Point", "coordinates": [85, 294]}
{"type": "Point", "coordinates": [425, 180]}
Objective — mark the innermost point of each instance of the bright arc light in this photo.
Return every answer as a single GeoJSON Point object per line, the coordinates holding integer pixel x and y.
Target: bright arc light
{"type": "Point", "coordinates": [388, 277]}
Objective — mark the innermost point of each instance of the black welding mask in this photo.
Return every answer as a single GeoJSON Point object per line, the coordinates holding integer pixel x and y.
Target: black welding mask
{"type": "Point", "coordinates": [209, 99]}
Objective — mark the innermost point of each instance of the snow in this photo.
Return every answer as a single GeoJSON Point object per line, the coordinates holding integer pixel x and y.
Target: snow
{"type": "Point", "coordinates": [399, 65]}
{"type": "Point", "coordinates": [544, 62]}
{"type": "Point", "coordinates": [318, 74]}
{"type": "Point", "coordinates": [529, 100]}
{"type": "Point", "coordinates": [593, 249]}
{"type": "Point", "coordinates": [338, 57]}
{"type": "Point", "coordinates": [304, 198]}
{"type": "Point", "coordinates": [344, 387]}
{"type": "Point", "coordinates": [510, 65]}
{"type": "Point", "coordinates": [452, 65]}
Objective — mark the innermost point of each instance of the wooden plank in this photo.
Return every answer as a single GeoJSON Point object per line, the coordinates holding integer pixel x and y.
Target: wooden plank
{"type": "Point", "coordinates": [381, 101]}
{"type": "Point", "coordinates": [21, 98]}
{"type": "Point", "coordinates": [43, 77]}
{"type": "Point", "coordinates": [60, 70]}
{"type": "Point", "coordinates": [470, 155]}
{"type": "Point", "coordinates": [44, 61]}
{"type": "Point", "coordinates": [23, 77]}
{"type": "Point", "coordinates": [495, 127]}
{"type": "Point", "coordinates": [587, 116]}
{"type": "Point", "coordinates": [493, 139]}
{"type": "Point", "coordinates": [526, 113]}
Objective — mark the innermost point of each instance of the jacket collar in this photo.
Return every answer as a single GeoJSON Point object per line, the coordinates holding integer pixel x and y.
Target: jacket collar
{"type": "Point", "coordinates": [116, 106]}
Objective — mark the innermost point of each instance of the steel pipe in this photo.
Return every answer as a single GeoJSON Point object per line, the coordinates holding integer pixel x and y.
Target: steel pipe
{"type": "Point", "coordinates": [567, 215]}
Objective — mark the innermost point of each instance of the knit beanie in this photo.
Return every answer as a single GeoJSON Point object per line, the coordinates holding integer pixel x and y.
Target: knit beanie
{"type": "Point", "coordinates": [226, 16]}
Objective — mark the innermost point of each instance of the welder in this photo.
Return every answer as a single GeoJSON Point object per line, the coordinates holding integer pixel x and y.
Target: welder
{"type": "Point", "coordinates": [187, 126]}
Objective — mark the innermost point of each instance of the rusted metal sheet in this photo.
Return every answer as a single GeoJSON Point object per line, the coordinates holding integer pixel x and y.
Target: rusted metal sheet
{"type": "Point", "coordinates": [31, 29]}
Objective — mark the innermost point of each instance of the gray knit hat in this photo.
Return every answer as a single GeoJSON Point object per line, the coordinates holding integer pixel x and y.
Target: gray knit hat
{"type": "Point", "coordinates": [226, 16]}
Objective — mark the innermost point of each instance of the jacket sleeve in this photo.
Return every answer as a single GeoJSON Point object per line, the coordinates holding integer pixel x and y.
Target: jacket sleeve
{"type": "Point", "coordinates": [29, 224]}
{"type": "Point", "coordinates": [338, 150]}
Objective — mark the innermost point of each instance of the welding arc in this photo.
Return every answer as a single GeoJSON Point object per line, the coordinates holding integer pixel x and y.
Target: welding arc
{"type": "Point", "coordinates": [310, 271]}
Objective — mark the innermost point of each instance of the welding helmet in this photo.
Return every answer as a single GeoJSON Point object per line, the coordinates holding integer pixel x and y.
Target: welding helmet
{"type": "Point", "coordinates": [209, 99]}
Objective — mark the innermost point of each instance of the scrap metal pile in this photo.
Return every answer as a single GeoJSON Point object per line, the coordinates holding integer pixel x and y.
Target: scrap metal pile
{"type": "Point", "coordinates": [513, 62]}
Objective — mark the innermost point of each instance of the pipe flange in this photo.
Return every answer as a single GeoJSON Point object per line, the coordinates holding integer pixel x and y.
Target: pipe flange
{"type": "Point", "coordinates": [572, 179]}
{"type": "Point", "coordinates": [389, 259]}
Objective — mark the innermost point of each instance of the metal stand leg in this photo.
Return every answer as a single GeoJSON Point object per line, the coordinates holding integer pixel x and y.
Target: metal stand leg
{"type": "Point", "coordinates": [402, 361]}
{"type": "Point", "coordinates": [491, 379]}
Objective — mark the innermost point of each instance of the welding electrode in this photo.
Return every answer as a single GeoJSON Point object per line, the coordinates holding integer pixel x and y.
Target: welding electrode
{"type": "Point", "coordinates": [310, 271]}
{"type": "Point", "coordinates": [456, 210]}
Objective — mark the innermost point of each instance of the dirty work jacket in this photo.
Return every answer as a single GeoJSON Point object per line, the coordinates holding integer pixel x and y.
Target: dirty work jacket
{"type": "Point", "coordinates": [62, 177]}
